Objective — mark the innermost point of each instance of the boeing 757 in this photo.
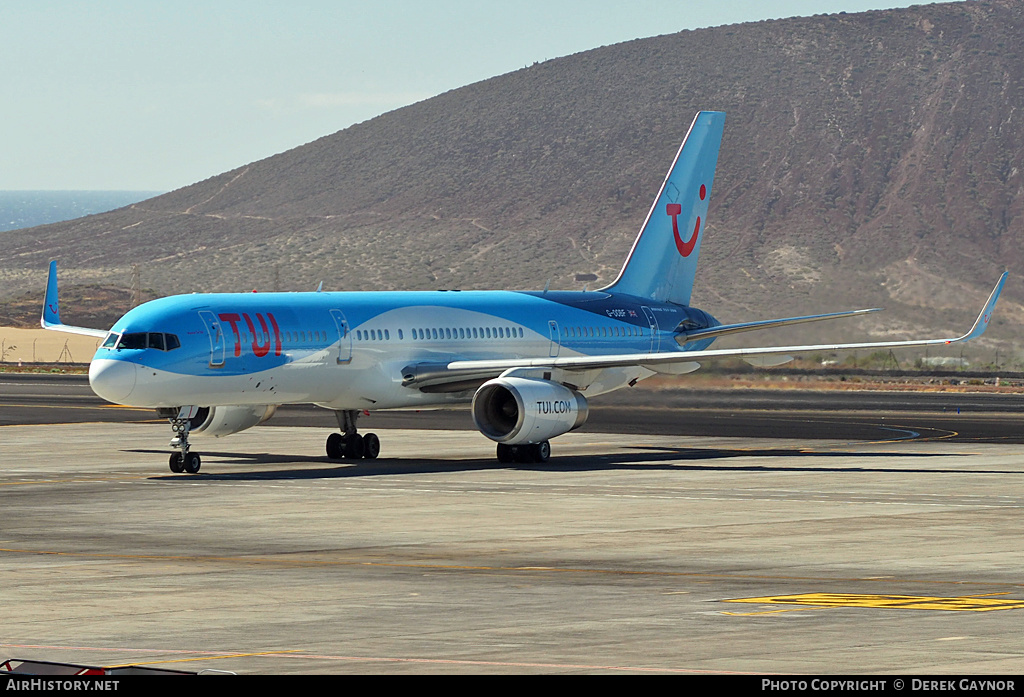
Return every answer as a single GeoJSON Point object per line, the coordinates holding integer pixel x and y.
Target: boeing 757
{"type": "Point", "coordinates": [529, 362]}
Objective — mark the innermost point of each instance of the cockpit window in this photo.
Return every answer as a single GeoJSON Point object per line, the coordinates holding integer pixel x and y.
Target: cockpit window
{"type": "Point", "coordinates": [111, 340]}
{"type": "Point", "coordinates": [132, 341]}
{"type": "Point", "coordinates": [142, 340]}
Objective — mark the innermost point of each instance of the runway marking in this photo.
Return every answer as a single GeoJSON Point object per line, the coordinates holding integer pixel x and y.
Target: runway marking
{"type": "Point", "coordinates": [889, 602]}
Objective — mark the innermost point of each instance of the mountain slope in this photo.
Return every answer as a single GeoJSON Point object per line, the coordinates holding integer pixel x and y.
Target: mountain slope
{"type": "Point", "coordinates": [869, 159]}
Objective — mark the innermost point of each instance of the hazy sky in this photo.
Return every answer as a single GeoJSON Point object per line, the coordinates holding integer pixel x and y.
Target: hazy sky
{"type": "Point", "coordinates": [123, 94]}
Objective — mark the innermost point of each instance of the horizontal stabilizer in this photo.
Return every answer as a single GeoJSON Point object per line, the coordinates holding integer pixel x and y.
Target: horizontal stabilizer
{"type": "Point", "coordinates": [726, 329]}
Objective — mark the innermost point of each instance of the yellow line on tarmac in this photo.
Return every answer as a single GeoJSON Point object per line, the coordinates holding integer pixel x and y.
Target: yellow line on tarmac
{"type": "Point", "coordinates": [975, 603]}
{"type": "Point", "coordinates": [772, 612]}
{"type": "Point", "coordinates": [206, 658]}
{"type": "Point", "coordinates": [68, 406]}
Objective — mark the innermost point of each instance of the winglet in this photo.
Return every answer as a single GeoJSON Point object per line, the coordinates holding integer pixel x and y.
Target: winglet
{"type": "Point", "coordinates": [51, 310]}
{"type": "Point", "coordinates": [51, 304]}
{"type": "Point", "coordinates": [981, 324]}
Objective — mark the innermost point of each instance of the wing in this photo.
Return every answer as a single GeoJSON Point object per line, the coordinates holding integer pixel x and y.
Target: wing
{"type": "Point", "coordinates": [51, 310]}
{"type": "Point", "coordinates": [468, 371]}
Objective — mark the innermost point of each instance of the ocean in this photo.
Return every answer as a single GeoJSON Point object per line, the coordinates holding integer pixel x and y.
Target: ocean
{"type": "Point", "coordinates": [21, 209]}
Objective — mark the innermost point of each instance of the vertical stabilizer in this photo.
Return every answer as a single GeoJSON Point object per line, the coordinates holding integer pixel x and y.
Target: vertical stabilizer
{"type": "Point", "coordinates": [663, 262]}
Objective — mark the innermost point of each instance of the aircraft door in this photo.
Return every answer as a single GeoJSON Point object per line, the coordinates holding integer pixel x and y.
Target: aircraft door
{"type": "Point", "coordinates": [216, 333]}
{"type": "Point", "coordinates": [653, 322]}
{"type": "Point", "coordinates": [553, 332]}
{"type": "Point", "coordinates": [344, 337]}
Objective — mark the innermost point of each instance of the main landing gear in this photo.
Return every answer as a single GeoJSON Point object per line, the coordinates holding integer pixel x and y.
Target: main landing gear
{"type": "Point", "coordinates": [181, 423]}
{"type": "Point", "coordinates": [528, 452]}
{"type": "Point", "coordinates": [350, 445]}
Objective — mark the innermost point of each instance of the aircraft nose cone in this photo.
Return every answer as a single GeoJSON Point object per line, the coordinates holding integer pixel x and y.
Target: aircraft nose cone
{"type": "Point", "coordinates": [112, 380]}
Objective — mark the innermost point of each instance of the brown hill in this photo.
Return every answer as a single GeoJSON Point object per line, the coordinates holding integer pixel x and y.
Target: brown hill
{"type": "Point", "coordinates": [869, 160]}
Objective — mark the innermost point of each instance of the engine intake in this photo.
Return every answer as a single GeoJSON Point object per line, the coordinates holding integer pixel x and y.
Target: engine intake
{"type": "Point", "coordinates": [516, 410]}
{"type": "Point", "coordinates": [223, 421]}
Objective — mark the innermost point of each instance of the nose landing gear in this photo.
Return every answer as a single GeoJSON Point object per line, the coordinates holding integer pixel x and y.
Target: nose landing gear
{"type": "Point", "coordinates": [181, 423]}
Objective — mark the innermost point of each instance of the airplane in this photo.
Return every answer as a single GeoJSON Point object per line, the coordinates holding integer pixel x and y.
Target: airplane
{"type": "Point", "coordinates": [527, 361]}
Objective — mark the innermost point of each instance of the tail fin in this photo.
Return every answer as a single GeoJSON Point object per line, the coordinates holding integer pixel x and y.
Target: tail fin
{"type": "Point", "coordinates": [663, 262]}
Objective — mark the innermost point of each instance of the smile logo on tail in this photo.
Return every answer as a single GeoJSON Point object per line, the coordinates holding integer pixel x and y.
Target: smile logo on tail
{"type": "Point", "coordinates": [674, 210]}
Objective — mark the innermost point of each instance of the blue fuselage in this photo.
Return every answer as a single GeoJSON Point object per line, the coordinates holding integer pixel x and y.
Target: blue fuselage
{"type": "Point", "coordinates": [349, 350]}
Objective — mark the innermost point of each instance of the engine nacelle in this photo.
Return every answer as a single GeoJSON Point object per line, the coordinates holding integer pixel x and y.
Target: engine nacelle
{"type": "Point", "coordinates": [515, 410]}
{"type": "Point", "coordinates": [223, 421]}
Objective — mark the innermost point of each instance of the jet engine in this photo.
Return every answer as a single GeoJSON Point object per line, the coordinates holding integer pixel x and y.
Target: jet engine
{"type": "Point", "coordinates": [517, 410]}
{"type": "Point", "coordinates": [223, 421]}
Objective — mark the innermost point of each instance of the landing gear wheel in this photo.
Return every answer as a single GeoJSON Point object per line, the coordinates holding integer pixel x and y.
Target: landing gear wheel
{"type": "Point", "coordinates": [192, 463]}
{"type": "Point", "coordinates": [371, 446]}
{"type": "Point", "coordinates": [533, 452]}
{"type": "Point", "coordinates": [335, 446]}
{"type": "Point", "coordinates": [522, 453]}
{"type": "Point", "coordinates": [177, 463]}
{"type": "Point", "coordinates": [354, 446]}
{"type": "Point", "coordinates": [540, 452]}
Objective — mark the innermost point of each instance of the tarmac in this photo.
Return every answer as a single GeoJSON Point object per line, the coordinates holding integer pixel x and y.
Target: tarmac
{"type": "Point", "coordinates": [677, 554]}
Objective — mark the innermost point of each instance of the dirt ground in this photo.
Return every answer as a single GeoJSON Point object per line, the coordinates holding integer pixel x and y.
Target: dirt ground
{"type": "Point", "coordinates": [42, 346]}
